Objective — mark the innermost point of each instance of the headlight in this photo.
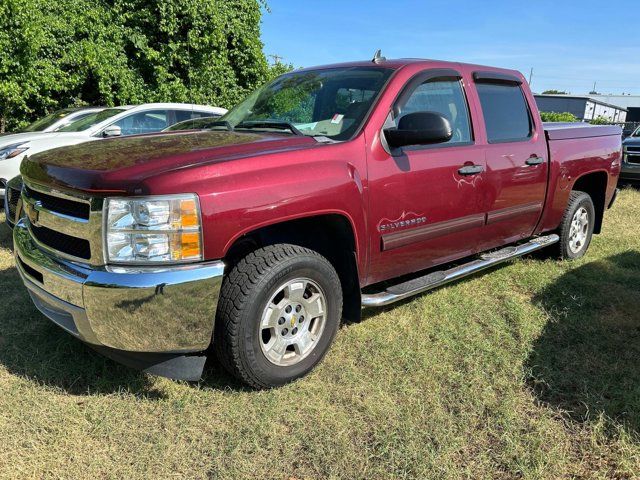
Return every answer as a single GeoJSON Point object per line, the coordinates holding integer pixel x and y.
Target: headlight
{"type": "Point", "coordinates": [153, 229]}
{"type": "Point", "coordinates": [11, 151]}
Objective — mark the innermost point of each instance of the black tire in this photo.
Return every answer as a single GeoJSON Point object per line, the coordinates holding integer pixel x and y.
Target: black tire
{"type": "Point", "coordinates": [245, 293]}
{"type": "Point", "coordinates": [577, 200]}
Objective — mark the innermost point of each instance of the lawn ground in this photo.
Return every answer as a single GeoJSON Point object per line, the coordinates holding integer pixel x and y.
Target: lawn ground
{"type": "Point", "coordinates": [531, 370]}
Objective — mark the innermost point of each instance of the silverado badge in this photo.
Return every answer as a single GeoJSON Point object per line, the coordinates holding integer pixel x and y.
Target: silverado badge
{"type": "Point", "coordinates": [407, 219]}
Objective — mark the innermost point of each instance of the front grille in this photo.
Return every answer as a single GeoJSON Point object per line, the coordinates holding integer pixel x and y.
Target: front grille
{"type": "Point", "coordinates": [13, 196]}
{"type": "Point", "coordinates": [76, 247]}
{"type": "Point", "coordinates": [633, 157]}
{"type": "Point", "coordinates": [60, 205]}
{"type": "Point", "coordinates": [68, 224]}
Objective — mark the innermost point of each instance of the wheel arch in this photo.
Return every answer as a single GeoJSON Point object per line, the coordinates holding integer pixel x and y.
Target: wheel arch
{"type": "Point", "coordinates": [332, 234]}
{"type": "Point", "coordinates": [594, 184]}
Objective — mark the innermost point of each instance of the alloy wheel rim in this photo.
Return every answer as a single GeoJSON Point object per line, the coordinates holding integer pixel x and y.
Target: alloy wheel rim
{"type": "Point", "coordinates": [293, 322]}
{"type": "Point", "coordinates": [579, 230]}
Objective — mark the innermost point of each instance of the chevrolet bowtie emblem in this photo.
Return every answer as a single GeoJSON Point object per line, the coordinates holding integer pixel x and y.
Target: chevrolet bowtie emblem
{"type": "Point", "coordinates": [33, 214]}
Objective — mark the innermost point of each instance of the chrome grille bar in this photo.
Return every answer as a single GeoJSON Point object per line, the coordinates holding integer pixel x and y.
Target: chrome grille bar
{"type": "Point", "coordinates": [59, 220]}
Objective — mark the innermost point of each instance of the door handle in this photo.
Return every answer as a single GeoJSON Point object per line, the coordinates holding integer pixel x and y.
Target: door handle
{"type": "Point", "coordinates": [471, 170]}
{"type": "Point", "coordinates": [534, 161]}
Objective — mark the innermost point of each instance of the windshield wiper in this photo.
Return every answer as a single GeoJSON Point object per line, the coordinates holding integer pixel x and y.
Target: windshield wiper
{"type": "Point", "coordinates": [275, 124]}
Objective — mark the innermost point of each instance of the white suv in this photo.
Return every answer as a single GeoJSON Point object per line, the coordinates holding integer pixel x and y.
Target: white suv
{"type": "Point", "coordinates": [110, 122]}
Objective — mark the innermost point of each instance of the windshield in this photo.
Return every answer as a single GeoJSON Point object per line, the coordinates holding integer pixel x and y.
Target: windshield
{"type": "Point", "coordinates": [330, 102]}
{"type": "Point", "coordinates": [636, 133]}
{"type": "Point", "coordinates": [91, 120]}
{"type": "Point", "coordinates": [45, 122]}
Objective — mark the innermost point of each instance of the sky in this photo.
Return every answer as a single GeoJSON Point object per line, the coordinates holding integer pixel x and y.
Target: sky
{"type": "Point", "coordinates": [569, 45]}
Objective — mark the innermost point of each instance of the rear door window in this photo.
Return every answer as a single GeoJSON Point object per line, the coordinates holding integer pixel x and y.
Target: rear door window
{"type": "Point", "coordinates": [505, 111]}
{"type": "Point", "coordinates": [144, 122]}
{"type": "Point", "coordinates": [183, 115]}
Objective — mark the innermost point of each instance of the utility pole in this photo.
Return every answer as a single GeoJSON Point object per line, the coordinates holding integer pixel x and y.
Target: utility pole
{"type": "Point", "coordinates": [276, 59]}
{"type": "Point", "coordinates": [530, 76]}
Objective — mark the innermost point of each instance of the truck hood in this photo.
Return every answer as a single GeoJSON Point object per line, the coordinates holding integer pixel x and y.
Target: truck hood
{"type": "Point", "coordinates": [121, 164]}
{"type": "Point", "coordinates": [635, 141]}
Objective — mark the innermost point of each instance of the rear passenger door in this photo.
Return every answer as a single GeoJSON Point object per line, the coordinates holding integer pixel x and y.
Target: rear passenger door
{"type": "Point", "coordinates": [516, 160]}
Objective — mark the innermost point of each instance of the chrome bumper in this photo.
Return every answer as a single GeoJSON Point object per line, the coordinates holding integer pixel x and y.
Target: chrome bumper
{"type": "Point", "coordinates": [168, 310]}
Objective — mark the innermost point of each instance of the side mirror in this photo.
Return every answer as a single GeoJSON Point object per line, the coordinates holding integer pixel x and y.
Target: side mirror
{"type": "Point", "coordinates": [112, 131]}
{"type": "Point", "coordinates": [419, 128]}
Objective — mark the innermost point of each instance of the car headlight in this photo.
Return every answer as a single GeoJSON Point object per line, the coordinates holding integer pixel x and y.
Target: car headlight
{"type": "Point", "coordinates": [160, 229]}
{"type": "Point", "coordinates": [11, 151]}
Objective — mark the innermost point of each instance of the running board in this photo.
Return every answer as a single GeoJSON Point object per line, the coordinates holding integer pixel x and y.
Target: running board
{"type": "Point", "coordinates": [418, 285]}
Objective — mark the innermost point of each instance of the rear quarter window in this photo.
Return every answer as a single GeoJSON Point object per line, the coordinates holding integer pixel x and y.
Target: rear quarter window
{"type": "Point", "coordinates": [505, 111]}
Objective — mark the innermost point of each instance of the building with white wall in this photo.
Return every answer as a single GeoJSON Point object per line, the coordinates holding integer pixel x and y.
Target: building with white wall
{"type": "Point", "coordinates": [584, 107]}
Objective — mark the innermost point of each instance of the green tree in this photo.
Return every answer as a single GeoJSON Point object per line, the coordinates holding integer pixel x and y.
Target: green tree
{"type": "Point", "coordinates": [554, 92]}
{"type": "Point", "coordinates": [57, 53]}
{"type": "Point", "coordinates": [558, 117]}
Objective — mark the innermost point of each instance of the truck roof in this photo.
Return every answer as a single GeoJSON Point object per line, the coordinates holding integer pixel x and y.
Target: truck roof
{"type": "Point", "coordinates": [398, 63]}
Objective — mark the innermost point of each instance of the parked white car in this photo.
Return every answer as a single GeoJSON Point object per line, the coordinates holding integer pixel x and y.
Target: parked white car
{"type": "Point", "coordinates": [110, 122]}
{"type": "Point", "coordinates": [10, 142]}
{"type": "Point", "coordinates": [58, 119]}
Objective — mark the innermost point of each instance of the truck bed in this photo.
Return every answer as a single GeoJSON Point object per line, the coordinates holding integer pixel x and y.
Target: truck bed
{"type": "Point", "coordinates": [565, 131]}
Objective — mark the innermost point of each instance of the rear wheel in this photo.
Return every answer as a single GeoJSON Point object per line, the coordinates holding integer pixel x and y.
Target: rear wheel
{"type": "Point", "coordinates": [577, 225]}
{"type": "Point", "coordinates": [279, 310]}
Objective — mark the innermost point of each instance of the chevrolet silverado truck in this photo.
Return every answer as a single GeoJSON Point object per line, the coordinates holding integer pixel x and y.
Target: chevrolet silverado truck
{"type": "Point", "coordinates": [326, 190]}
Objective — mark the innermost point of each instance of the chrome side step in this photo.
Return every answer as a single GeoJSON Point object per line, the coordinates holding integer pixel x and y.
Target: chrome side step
{"type": "Point", "coordinates": [418, 285]}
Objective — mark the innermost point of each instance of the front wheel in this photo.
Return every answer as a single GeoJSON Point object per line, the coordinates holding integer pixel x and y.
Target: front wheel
{"type": "Point", "coordinates": [279, 310]}
{"type": "Point", "coordinates": [577, 225]}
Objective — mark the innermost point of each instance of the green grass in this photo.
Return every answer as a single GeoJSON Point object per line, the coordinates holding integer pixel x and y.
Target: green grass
{"type": "Point", "coordinates": [531, 370]}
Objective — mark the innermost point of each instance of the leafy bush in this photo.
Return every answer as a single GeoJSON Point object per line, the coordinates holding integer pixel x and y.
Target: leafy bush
{"type": "Point", "coordinates": [600, 121]}
{"type": "Point", "coordinates": [558, 117]}
{"type": "Point", "coordinates": [57, 53]}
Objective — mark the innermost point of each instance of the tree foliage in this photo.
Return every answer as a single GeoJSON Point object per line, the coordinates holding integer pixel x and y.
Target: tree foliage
{"type": "Point", "coordinates": [554, 92]}
{"type": "Point", "coordinates": [57, 53]}
{"type": "Point", "coordinates": [558, 117]}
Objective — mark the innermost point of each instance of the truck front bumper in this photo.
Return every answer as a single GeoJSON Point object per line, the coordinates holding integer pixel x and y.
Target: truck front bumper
{"type": "Point", "coordinates": [158, 320]}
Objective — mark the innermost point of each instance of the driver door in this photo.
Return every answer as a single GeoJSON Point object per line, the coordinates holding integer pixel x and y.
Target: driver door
{"type": "Point", "coordinates": [425, 201]}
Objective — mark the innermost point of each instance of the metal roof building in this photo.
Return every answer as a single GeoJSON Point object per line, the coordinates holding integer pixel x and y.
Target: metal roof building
{"type": "Point", "coordinates": [630, 102]}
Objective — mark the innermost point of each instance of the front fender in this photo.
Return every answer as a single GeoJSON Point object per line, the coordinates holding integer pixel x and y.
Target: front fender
{"type": "Point", "coordinates": [250, 200]}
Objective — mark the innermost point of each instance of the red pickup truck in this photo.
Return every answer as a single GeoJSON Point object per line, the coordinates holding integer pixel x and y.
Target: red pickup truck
{"type": "Point", "coordinates": [326, 190]}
